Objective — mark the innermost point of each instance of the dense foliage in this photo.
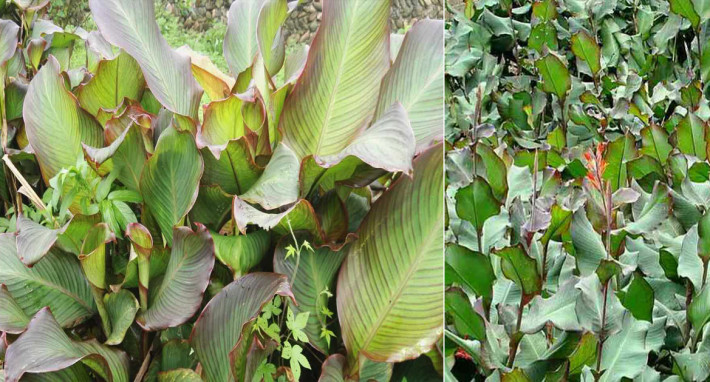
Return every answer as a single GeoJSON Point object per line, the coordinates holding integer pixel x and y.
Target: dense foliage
{"type": "Point", "coordinates": [578, 187]}
{"type": "Point", "coordinates": [163, 220]}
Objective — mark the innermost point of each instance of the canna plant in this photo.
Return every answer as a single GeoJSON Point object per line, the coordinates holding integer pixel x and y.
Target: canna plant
{"type": "Point", "coordinates": [164, 220]}
{"type": "Point", "coordinates": [577, 185]}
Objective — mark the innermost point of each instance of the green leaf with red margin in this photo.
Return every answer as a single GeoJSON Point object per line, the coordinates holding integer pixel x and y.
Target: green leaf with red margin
{"type": "Point", "coordinates": [44, 347]}
{"type": "Point", "coordinates": [389, 295]}
{"type": "Point", "coordinates": [520, 268]}
{"type": "Point", "coordinates": [12, 318]}
{"type": "Point", "coordinates": [57, 281]}
{"type": "Point", "coordinates": [240, 42]}
{"type": "Point", "coordinates": [332, 100]}
{"type": "Point", "coordinates": [122, 307]}
{"type": "Point", "coordinates": [240, 253]}
{"type": "Point", "coordinates": [130, 25]}
{"type": "Point", "coordinates": [179, 295]}
{"type": "Point", "coordinates": [170, 179]}
{"type": "Point", "coordinates": [387, 146]}
{"type": "Point", "coordinates": [221, 324]}
{"type": "Point", "coordinates": [269, 35]}
{"type": "Point", "coordinates": [52, 114]}
{"type": "Point", "coordinates": [618, 153]}
{"type": "Point", "coordinates": [93, 254]}
{"type": "Point", "coordinates": [470, 269]}
{"type": "Point", "coordinates": [8, 40]}
{"type": "Point", "coordinates": [316, 272]}
{"type": "Point", "coordinates": [300, 216]}
{"type": "Point", "coordinates": [585, 47]}
{"type": "Point", "coordinates": [35, 240]}
{"type": "Point", "coordinates": [114, 80]}
{"type": "Point", "coordinates": [416, 80]}
{"type": "Point", "coordinates": [555, 76]}
{"type": "Point", "coordinates": [278, 184]}
{"type": "Point", "coordinates": [690, 136]}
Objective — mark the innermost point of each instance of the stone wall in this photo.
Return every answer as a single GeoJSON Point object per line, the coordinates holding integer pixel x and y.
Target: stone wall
{"type": "Point", "coordinates": [303, 22]}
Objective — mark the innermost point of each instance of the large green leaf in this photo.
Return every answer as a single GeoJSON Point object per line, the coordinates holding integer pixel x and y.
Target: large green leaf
{"type": "Point", "coordinates": [559, 309]}
{"type": "Point", "coordinates": [269, 35]}
{"type": "Point", "coordinates": [220, 325]}
{"type": "Point", "coordinates": [130, 25]}
{"type": "Point", "coordinates": [44, 347]}
{"type": "Point", "coordinates": [690, 135]}
{"type": "Point", "coordinates": [655, 210]}
{"type": "Point", "coordinates": [35, 240]}
{"type": "Point", "coordinates": [240, 41]}
{"type": "Point", "coordinates": [476, 203]}
{"type": "Point", "coordinates": [300, 217]}
{"type": "Point", "coordinates": [685, 8]}
{"type": "Point", "coordinates": [388, 145]}
{"type": "Point", "coordinates": [389, 294]}
{"type": "Point", "coordinates": [470, 269]}
{"type": "Point", "coordinates": [52, 114]}
{"type": "Point", "coordinates": [121, 307]}
{"type": "Point", "coordinates": [618, 153]}
{"type": "Point", "coordinates": [333, 98]}
{"type": "Point", "coordinates": [12, 318]}
{"type": "Point", "coordinates": [316, 273]}
{"type": "Point", "coordinates": [418, 83]}
{"type": "Point", "coordinates": [555, 76]}
{"type": "Point", "coordinates": [638, 298]}
{"type": "Point", "coordinates": [586, 49]}
{"type": "Point", "coordinates": [170, 179]}
{"type": "Point", "coordinates": [223, 121]}
{"type": "Point", "coordinates": [465, 319]}
{"type": "Point", "coordinates": [520, 268]}
{"type": "Point", "coordinates": [655, 143]}
{"type": "Point", "coordinates": [699, 310]}
{"type": "Point", "coordinates": [588, 246]}
{"type": "Point", "coordinates": [278, 184]}
{"type": "Point", "coordinates": [241, 252]}
{"type": "Point", "coordinates": [114, 80]}
{"type": "Point", "coordinates": [57, 281]}
{"type": "Point", "coordinates": [8, 40]}
{"type": "Point", "coordinates": [233, 168]}
{"type": "Point", "coordinates": [179, 294]}
{"type": "Point", "coordinates": [625, 354]}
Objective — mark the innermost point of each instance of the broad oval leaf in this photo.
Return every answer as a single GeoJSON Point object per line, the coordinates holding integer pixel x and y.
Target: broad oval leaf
{"type": "Point", "coordinates": [122, 307]}
{"type": "Point", "coordinates": [586, 49]}
{"type": "Point", "coordinates": [555, 76]}
{"type": "Point", "coordinates": [416, 80]}
{"type": "Point", "coordinates": [12, 318]}
{"type": "Point", "coordinates": [333, 98]}
{"type": "Point", "coordinates": [389, 293]}
{"type": "Point", "coordinates": [57, 280]}
{"type": "Point", "coordinates": [240, 42]}
{"type": "Point", "coordinates": [52, 114]}
{"type": "Point", "coordinates": [178, 296]}
{"type": "Point", "coordinates": [35, 240]}
{"type": "Point", "coordinates": [170, 179]}
{"type": "Point", "coordinates": [114, 80]}
{"type": "Point", "coordinates": [130, 25]}
{"type": "Point", "coordinates": [220, 325]}
{"type": "Point", "coordinates": [44, 347]}
{"type": "Point", "coordinates": [241, 252]}
{"type": "Point", "coordinates": [8, 40]}
{"type": "Point", "coordinates": [269, 35]}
